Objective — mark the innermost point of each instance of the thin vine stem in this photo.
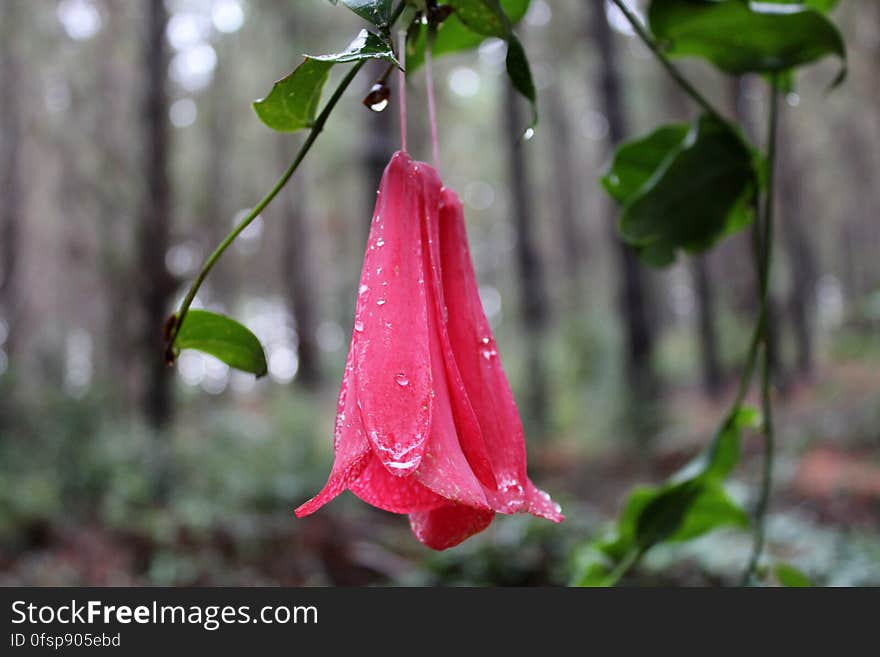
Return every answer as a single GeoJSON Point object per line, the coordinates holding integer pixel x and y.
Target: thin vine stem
{"type": "Point", "coordinates": [317, 128]}
{"type": "Point", "coordinates": [766, 254]}
{"type": "Point", "coordinates": [643, 34]}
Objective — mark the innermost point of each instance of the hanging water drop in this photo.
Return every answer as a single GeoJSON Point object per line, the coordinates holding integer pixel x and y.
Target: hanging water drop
{"type": "Point", "coordinates": [377, 99]}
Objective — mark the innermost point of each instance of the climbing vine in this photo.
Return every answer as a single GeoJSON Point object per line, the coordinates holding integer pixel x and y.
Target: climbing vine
{"type": "Point", "coordinates": [681, 189]}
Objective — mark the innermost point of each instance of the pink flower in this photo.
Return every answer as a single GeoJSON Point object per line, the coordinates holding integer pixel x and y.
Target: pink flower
{"type": "Point", "coordinates": [426, 422]}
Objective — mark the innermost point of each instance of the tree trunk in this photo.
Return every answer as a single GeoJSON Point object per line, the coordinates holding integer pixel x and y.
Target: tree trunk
{"type": "Point", "coordinates": [707, 331]}
{"type": "Point", "coordinates": [11, 182]}
{"type": "Point", "coordinates": [564, 168]}
{"type": "Point", "coordinates": [633, 300]}
{"type": "Point", "coordinates": [533, 293]}
{"type": "Point", "coordinates": [156, 286]}
{"type": "Point", "coordinates": [800, 250]}
{"type": "Point", "coordinates": [301, 282]}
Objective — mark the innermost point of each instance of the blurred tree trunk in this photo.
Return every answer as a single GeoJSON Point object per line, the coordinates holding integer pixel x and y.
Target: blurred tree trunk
{"type": "Point", "coordinates": [858, 229]}
{"type": "Point", "coordinates": [218, 215]}
{"type": "Point", "coordinates": [301, 282]}
{"type": "Point", "coordinates": [564, 171]}
{"type": "Point", "coordinates": [799, 248]}
{"type": "Point", "coordinates": [704, 288]}
{"type": "Point", "coordinates": [155, 283]}
{"type": "Point", "coordinates": [111, 135]}
{"type": "Point", "coordinates": [11, 175]}
{"type": "Point", "coordinates": [707, 330]}
{"type": "Point", "coordinates": [532, 286]}
{"type": "Point", "coordinates": [633, 299]}
{"type": "Point", "coordinates": [740, 102]}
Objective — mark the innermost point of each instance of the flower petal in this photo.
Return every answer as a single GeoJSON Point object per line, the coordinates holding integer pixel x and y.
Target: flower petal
{"type": "Point", "coordinates": [480, 365]}
{"type": "Point", "coordinates": [470, 435]}
{"type": "Point", "coordinates": [349, 443]}
{"type": "Point", "coordinates": [378, 487]}
{"type": "Point", "coordinates": [393, 375]}
{"type": "Point", "coordinates": [444, 469]}
{"type": "Point", "coordinates": [448, 526]}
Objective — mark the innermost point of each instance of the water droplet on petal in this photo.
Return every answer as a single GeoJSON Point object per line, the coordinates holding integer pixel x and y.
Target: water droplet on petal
{"type": "Point", "coordinates": [363, 289]}
{"type": "Point", "coordinates": [402, 379]}
{"type": "Point", "coordinates": [380, 302]}
{"type": "Point", "coordinates": [484, 340]}
{"type": "Point", "coordinates": [380, 242]}
{"type": "Point", "coordinates": [358, 326]}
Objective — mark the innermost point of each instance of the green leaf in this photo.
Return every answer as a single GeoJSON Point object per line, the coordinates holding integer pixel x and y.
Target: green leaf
{"type": "Point", "coordinates": [709, 510]}
{"type": "Point", "coordinates": [223, 338]}
{"type": "Point", "coordinates": [790, 576]}
{"type": "Point", "coordinates": [741, 37]}
{"type": "Point", "coordinates": [521, 75]}
{"type": "Point", "coordinates": [484, 17]}
{"type": "Point", "coordinates": [636, 161]}
{"type": "Point", "coordinates": [592, 567]}
{"type": "Point", "coordinates": [694, 197]}
{"type": "Point", "coordinates": [721, 456]}
{"type": "Point", "coordinates": [673, 512]}
{"type": "Point", "coordinates": [292, 104]}
{"type": "Point", "coordinates": [453, 36]}
{"type": "Point", "coordinates": [473, 22]}
{"type": "Point", "coordinates": [690, 504]}
{"type": "Point", "coordinates": [378, 12]}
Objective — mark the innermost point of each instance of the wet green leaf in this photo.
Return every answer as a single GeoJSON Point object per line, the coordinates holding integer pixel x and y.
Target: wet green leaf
{"type": "Point", "coordinates": [292, 104]}
{"type": "Point", "coordinates": [453, 36]}
{"type": "Point", "coordinates": [473, 22]}
{"type": "Point", "coordinates": [223, 338]}
{"type": "Point", "coordinates": [378, 12]}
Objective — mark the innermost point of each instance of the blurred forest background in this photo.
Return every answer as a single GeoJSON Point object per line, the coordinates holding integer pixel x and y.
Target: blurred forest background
{"type": "Point", "coordinates": [128, 148]}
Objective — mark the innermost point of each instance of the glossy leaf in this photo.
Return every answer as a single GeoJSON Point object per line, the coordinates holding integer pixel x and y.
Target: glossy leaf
{"type": "Point", "coordinates": [521, 74]}
{"type": "Point", "coordinates": [472, 22]}
{"type": "Point", "coordinates": [453, 36]}
{"type": "Point", "coordinates": [292, 104]}
{"type": "Point", "coordinates": [636, 161]}
{"type": "Point", "coordinates": [696, 194]}
{"type": "Point", "coordinates": [484, 17]}
{"type": "Point", "coordinates": [791, 577]}
{"type": "Point", "coordinates": [223, 338]}
{"type": "Point", "coordinates": [741, 37]}
{"type": "Point", "coordinates": [378, 12]}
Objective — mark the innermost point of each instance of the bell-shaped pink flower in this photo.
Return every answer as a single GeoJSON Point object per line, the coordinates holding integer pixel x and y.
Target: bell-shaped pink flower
{"type": "Point", "coordinates": [426, 422]}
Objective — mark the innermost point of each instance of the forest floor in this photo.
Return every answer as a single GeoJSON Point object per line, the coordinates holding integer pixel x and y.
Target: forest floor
{"type": "Point", "coordinates": [826, 500]}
